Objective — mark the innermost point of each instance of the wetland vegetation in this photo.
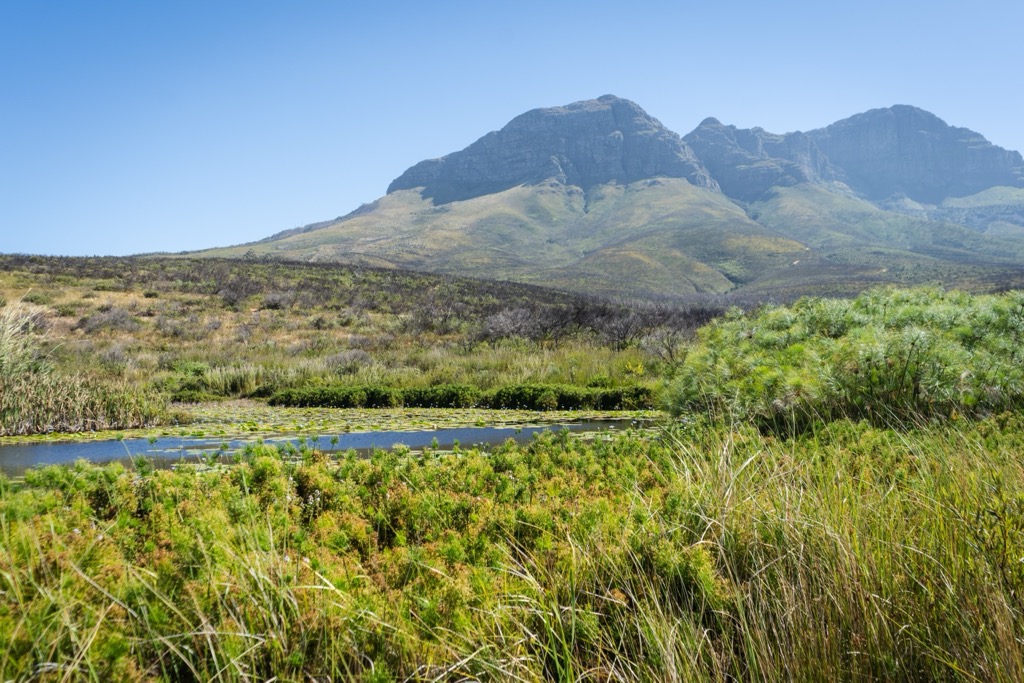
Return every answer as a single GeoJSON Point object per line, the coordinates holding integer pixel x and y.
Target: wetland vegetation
{"type": "Point", "coordinates": [706, 553]}
{"type": "Point", "coordinates": [836, 490]}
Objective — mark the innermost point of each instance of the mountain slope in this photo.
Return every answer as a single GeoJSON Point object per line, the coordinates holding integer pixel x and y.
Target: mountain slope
{"type": "Point", "coordinates": [749, 162]}
{"type": "Point", "coordinates": [651, 237]}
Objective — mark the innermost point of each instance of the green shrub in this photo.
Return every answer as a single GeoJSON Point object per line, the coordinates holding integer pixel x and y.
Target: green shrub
{"type": "Point", "coordinates": [893, 357]}
{"type": "Point", "coordinates": [545, 397]}
{"type": "Point", "coordinates": [382, 397]}
{"type": "Point", "coordinates": [518, 396]}
{"type": "Point", "coordinates": [627, 398]}
{"type": "Point", "coordinates": [442, 396]}
{"type": "Point", "coordinates": [37, 298]}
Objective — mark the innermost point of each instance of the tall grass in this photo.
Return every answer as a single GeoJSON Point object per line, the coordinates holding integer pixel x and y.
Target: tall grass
{"type": "Point", "coordinates": [18, 353]}
{"type": "Point", "coordinates": [710, 553]}
{"type": "Point", "coordinates": [36, 399]}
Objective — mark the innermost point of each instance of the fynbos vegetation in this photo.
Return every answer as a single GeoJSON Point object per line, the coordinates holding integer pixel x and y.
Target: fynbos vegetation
{"type": "Point", "coordinates": [707, 554]}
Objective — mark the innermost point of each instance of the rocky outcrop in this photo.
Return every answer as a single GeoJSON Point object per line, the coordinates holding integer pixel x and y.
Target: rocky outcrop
{"type": "Point", "coordinates": [904, 150]}
{"type": "Point", "coordinates": [585, 144]}
{"type": "Point", "coordinates": [747, 163]}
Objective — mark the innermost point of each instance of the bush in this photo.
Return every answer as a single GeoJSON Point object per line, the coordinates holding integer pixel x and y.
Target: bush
{"type": "Point", "coordinates": [321, 397]}
{"type": "Point", "coordinates": [37, 298]}
{"type": "Point", "coordinates": [442, 396]}
{"type": "Point", "coordinates": [892, 357]}
{"type": "Point", "coordinates": [519, 396]}
{"type": "Point", "coordinates": [278, 301]}
{"type": "Point", "coordinates": [348, 362]}
{"type": "Point", "coordinates": [627, 398]}
{"type": "Point", "coordinates": [545, 397]}
{"type": "Point", "coordinates": [382, 397]}
{"type": "Point", "coordinates": [115, 319]}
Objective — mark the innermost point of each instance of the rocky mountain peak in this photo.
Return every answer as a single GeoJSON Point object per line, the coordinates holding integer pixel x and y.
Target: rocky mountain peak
{"type": "Point", "coordinates": [904, 150]}
{"type": "Point", "coordinates": [585, 143]}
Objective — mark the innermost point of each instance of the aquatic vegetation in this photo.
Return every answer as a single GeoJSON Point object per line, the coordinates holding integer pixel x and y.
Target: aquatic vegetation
{"type": "Point", "coordinates": [253, 419]}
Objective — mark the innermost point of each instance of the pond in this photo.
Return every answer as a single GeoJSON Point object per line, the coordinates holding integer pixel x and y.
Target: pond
{"type": "Point", "coordinates": [166, 451]}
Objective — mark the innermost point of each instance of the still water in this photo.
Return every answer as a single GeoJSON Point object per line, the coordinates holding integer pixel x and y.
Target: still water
{"type": "Point", "coordinates": [167, 451]}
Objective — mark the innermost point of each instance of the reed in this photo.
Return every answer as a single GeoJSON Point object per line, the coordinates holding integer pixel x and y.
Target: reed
{"type": "Point", "coordinates": [35, 399]}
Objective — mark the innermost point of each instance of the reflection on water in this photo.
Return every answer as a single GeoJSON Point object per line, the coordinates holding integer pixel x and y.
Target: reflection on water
{"type": "Point", "coordinates": [166, 451]}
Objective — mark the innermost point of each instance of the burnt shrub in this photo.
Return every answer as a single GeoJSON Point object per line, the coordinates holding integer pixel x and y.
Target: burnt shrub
{"type": "Point", "coordinates": [114, 319]}
{"type": "Point", "coordinates": [278, 301]}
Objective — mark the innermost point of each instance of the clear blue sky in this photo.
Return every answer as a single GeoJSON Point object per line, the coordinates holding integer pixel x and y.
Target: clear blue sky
{"type": "Point", "coordinates": [129, 127]}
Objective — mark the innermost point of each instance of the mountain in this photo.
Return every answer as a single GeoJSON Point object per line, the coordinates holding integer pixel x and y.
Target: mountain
{"type": "Point", "coordinates": [599, 196]}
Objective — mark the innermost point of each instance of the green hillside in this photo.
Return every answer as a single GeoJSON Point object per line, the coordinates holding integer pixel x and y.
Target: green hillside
{"type": "Point", "coordinates": [660, 236]}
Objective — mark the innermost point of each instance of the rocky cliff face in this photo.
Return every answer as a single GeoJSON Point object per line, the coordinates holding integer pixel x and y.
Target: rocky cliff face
{"type": "Point", "coordinates": [749, 162]}
{"type": "Point", "coordinates": [584, 144]}
{"type": "Point", "coordinates": [904, 150]}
